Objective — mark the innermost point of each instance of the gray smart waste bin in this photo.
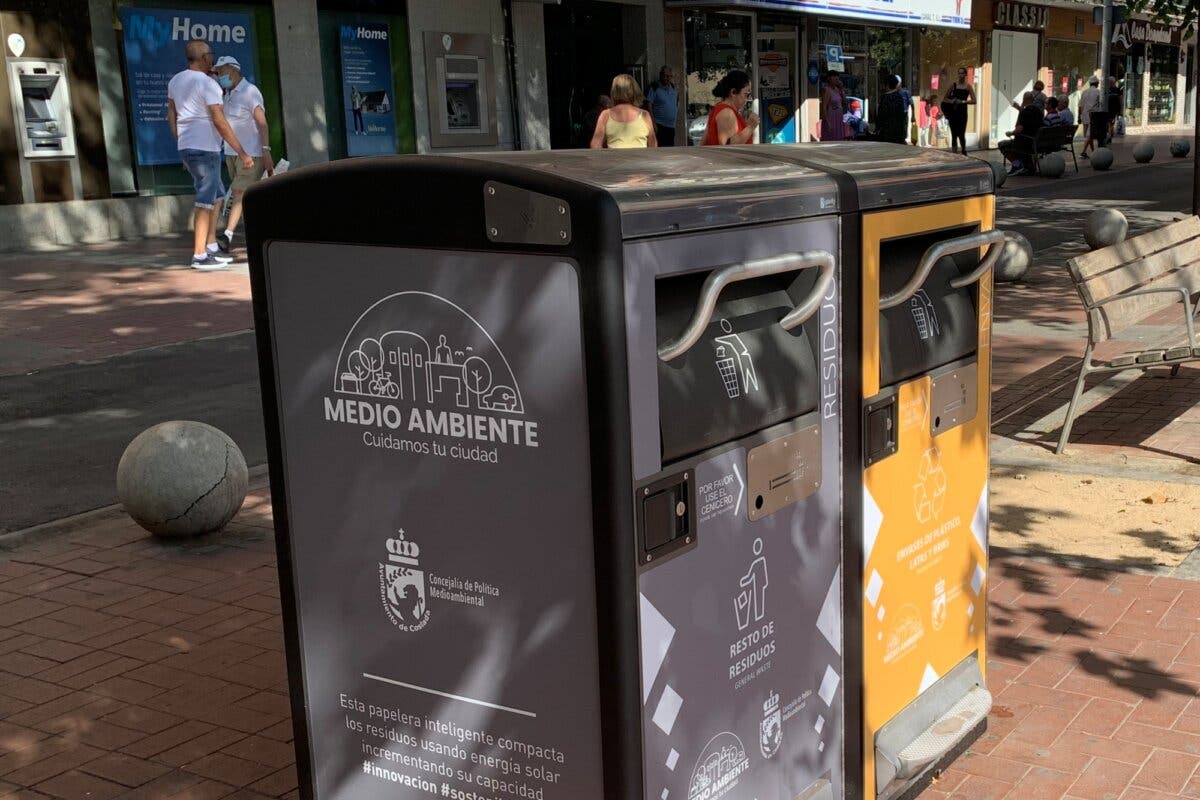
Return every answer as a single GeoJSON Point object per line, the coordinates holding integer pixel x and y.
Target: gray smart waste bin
{"type": "Point", "coordinates": [555, 457]}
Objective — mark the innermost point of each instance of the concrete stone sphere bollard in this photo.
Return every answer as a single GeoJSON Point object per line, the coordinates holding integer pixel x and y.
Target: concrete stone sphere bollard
{"type": "Point", "coordinates": [1143, 152]}
{"type": "Point", "coordinates": [1180, 148]}
{"type": "Point", "coordinates": [1105, 227]}
{"type": "Point", "coordinates": [182, 478]}
{"type": "Point", "coordinates": [1016, 258]}
{"type": "Point", "coordinates": [1053, 166]}
{"type": "Point", "coordinates": [999, 174]}
{"type": "Point", "coordinates": [1102, 158]}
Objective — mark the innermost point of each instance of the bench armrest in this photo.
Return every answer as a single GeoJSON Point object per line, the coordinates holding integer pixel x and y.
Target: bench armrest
{"type": "Point", "coordinates": [1179, 290]}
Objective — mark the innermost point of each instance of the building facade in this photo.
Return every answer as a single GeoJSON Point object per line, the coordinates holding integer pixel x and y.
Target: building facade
{"type": "Point", "coordinates": [1154, 64]}
{"type": "Point", "coordinates": [82, 106]}
{"type": "Point", "coordinates": [340, 78]}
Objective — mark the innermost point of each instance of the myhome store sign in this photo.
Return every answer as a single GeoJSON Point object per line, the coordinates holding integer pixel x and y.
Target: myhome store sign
{"type": "Point", "coordinates": [155, 40]}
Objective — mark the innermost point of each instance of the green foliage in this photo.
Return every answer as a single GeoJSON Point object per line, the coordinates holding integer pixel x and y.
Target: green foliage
{"type": "Point", "coordinates": [1181, 13]}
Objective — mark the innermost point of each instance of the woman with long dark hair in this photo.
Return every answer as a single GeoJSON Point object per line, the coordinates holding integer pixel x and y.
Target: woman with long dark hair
{"type": "Point", "coordinates": [960, 95]}
{"type": "Point", "coordinates": [726, 125]}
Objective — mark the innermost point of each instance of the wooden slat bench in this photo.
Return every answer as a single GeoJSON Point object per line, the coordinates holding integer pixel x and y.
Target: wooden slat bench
{"type": "Point", "coordinates": [1048, 139]}
{"type": "Point", "coordinates": [1125, 284]}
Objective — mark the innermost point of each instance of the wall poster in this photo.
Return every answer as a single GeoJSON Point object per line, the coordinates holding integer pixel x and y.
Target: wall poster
{"type": "Point", "coordinates": [155, 40]}
{"type": "Point", "coordinates": [367, 89]}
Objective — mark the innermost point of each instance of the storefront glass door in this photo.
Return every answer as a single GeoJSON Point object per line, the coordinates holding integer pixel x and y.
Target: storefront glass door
{"type": "Point", "coordinates": [1164, 70]}
{"type": "Point", "coordinates": [778, 86]}
{"type": "Point", "coordinates": [852, 39]}
{"type": "Point", "coordinates": [887, 55]}
{"type": "Point", "coordinates": [716, 43]}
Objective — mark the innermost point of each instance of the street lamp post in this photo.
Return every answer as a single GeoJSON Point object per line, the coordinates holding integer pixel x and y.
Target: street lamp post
{"type": "Point", "coordinates": [1105, 41]}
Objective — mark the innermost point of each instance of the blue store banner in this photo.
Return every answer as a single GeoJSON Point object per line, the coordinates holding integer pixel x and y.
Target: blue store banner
{"type": "Point", "coordinates": [155, 40]}
{"type": "Point", "coordinates": [367, 89]}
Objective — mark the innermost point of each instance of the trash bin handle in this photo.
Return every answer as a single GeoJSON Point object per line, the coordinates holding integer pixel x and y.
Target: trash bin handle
{"type": "Point", "coordinates": [937, 252]}
{"type": "Point", "coordinates": [721, 277]}
{"type": "Point", "coordinates": [989, 260]}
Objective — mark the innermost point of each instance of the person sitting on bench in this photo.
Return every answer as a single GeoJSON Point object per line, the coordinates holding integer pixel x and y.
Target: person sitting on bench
{"type": "Point", "coordinates": [1029, 122]}
{"type": "Point", "coordinates": [1054, 115]}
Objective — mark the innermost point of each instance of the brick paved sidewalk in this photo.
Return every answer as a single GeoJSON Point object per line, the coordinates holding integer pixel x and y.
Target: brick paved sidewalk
{"type": "Point", "coordinates": [137, 669]}
{"type": "Point", "coordinates": [133, 668]}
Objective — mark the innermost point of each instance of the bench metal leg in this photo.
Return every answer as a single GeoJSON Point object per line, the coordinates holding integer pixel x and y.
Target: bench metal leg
{"type": "Point", "coordinates": [1066, 428]}
{"type": "Point", "coordinates": [1073, 158]}
{"type": "Point", "coordinates": [1175, 370]}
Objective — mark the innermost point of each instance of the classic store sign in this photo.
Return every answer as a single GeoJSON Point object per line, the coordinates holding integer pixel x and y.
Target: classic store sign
{"type": "Point", "coordinates": [1020, 15]}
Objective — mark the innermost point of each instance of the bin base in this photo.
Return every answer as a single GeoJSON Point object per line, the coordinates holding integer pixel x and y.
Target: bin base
{"type": "Point", "coordinates": [914, 789]}
{"type": "Point", "coordinates": [933, 726]}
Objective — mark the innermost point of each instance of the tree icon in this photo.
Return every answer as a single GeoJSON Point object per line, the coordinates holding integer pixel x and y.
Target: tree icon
{"type": "Point", "coordinates": [477, 375]}
{"type": "Point", "coordinates": [359, 365]}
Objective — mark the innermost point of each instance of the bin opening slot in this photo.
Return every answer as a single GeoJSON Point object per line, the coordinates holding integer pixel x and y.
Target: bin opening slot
{"type": "Point", "coordinates": [937, 325]}
{"type": "Point", "coordinates": [746, 373]}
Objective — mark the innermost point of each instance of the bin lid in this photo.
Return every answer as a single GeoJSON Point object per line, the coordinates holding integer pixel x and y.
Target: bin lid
{"type": "Point", "coordinates": [894, 174]}
{"type": "Point", "coordinates": [667, 190]}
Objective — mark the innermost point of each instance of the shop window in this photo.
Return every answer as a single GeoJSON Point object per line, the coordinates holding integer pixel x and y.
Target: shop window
{"type": "Point", "coordinates": [716, 44]}
{"type": "Point", "coordinates": [943, 51]}
{"type": "Point", "coordinates": [853, 41]}
{"type": "Point", "coordinates": [870, 56]}
{"type": "Point", "coordinates": [1164, 69]}
{"type": "Point", "coordinates": [1069, 66]}
{"type": "Point", "coordinates": [386, 98]}
{"type": "Point", "coordinates": [1128, 69]}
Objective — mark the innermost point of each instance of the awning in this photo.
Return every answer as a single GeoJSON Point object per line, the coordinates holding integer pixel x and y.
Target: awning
{"type": "Point", "coordinates": [934, 13]}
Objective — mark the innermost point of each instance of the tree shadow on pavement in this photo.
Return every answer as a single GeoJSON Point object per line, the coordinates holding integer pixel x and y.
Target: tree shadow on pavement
{"type": "Point", "coordinates": [1140, 676]}
{"type": "Point", "coordinates": [1138, 412]}
{"type": "Point", "coordinates": [61, 308]}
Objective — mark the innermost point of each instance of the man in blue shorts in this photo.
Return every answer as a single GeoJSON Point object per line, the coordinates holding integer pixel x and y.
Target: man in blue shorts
{"type": "Point", "coordinates": [196, 115]}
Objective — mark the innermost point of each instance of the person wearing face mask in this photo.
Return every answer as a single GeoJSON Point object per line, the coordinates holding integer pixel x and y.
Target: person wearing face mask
{"type": "Point", "coordinates": [244, 110]}
{"type": "Point", "coordinates": [197, 121]}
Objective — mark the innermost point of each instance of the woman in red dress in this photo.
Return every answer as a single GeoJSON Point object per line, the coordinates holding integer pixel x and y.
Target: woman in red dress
{"type": "Point", "coordinates": [726, 125]}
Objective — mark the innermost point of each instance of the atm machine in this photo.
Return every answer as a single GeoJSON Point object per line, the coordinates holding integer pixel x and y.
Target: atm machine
{"type": "Point", "coordinates": [41, 104]}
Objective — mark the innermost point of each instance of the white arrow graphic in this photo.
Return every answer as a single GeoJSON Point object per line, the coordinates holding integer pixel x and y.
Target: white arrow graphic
{"type": "Point", "coordinates": [741, 489]}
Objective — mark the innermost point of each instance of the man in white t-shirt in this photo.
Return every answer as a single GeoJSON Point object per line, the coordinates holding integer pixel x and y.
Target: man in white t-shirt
{"type": "Point", "coordinates": [197, 120]}
{"type": "Point", "coordinates": [244, 110]}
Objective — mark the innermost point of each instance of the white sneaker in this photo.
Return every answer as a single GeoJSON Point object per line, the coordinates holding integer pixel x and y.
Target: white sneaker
{"type": "Point", "coordinates": [208, 263]}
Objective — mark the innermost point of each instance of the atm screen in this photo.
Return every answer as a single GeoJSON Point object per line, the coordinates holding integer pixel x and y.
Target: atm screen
{"type": "Point", "coordinates": [37, 109]}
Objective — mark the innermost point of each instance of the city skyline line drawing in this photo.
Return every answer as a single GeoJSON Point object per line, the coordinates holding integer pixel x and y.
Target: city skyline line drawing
{"type": "Point", "coordinates": [392, 361]}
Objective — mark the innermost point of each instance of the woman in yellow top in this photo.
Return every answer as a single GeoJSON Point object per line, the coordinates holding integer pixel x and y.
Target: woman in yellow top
{"type": "Point", "coordinates": [626, 124]}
